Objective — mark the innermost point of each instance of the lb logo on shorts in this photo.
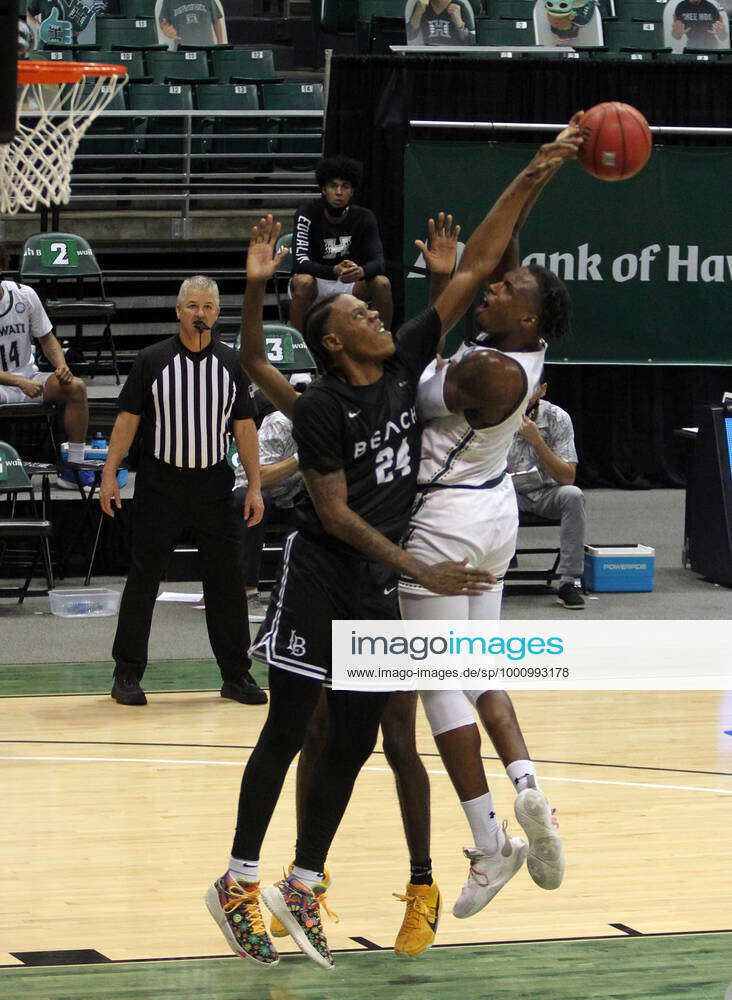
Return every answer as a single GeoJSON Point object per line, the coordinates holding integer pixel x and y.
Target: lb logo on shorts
{"type": "Point", "coordinates": [297, 644]}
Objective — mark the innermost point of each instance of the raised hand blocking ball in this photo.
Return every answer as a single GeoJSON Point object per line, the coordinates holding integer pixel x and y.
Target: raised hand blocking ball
{"type": "Point", "coordinates": [618, 144]}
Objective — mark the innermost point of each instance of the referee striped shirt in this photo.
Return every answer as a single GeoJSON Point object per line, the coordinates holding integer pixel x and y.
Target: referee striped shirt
{"type": "Point", "coordinates": [187, 400]}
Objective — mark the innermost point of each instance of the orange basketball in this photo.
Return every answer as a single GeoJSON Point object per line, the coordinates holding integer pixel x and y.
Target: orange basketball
{"type": "Point", "coordinates": [619, 143]}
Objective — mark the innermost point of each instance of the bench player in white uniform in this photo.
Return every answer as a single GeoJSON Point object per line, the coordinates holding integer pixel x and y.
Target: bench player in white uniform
{"type": "Point", "coordinates": [23, 319]}
{"type": "Point", "coordinates": [466, 509]}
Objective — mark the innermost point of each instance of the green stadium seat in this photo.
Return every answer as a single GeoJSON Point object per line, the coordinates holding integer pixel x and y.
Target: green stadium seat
{"type": "Point", "coordinates": [107, 137]}
{"type": "Point", "coordinates": [335, 16]}
{"type": "Point", "coordinates": [628, 56]}
{"type": "Point", "coordinates": [380, 24]}
{"type": "Point", "coordinates": [501, 54]}
{"type": "Point", "coordinates": [295, 97]}
{"type": "Point", "coordinates": [500, 33]}
{"type": "Point", "coordinates": [147, 98]}
{"type": "Point", "coordinates": [133, 61]}
{"type": "Point", "coordinates": [513, 10]}
{"type": "Point", "coordinates": [641, 10]}
{"type": "Point", "coordinates": [177, 67]}
{"type": "Point", "coordinates": [635, 36]}
{"type": "Point", "coordinates": [547, 52]}
{"type": "Point", "coordinates": [52, 55]}
{"type": "Point", "coordinates": [227, 136]}
{"type": "Point", "coordinates": [243, 66]}
{"type": "Point", "coordinates": [137, 8]}
{"type": "Point", "coordinates": [688, 56]}
{"type": "Point", "coordinates": [127, 33]}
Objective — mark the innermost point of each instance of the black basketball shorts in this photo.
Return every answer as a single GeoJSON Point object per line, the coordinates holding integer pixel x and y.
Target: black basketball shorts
{"type": "Point", "coordinates": [314, 587]}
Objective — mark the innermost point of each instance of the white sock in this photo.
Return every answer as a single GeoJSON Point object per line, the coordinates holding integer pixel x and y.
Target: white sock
{"type": "Point", "coordinates": [519, 772]}
{"type": "Point", "coordinates": [244, 871]}
{"type": "Point", "coordinates": [307, 877]}
{"type": "Point", "coordinates": [483, 823]}
{"type": "Point", "coordinates": [76, 451]}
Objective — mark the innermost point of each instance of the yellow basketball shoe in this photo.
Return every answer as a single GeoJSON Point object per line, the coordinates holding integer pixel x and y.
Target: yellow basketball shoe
{"type": "Point", "coordinates": [419, 926]}
{"type": "Point", "coordinates": [278, 930]}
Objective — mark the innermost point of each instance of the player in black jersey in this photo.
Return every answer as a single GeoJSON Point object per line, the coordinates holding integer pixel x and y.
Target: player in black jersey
{"type": "Point", "coordinates": [358, 446]}
{"type": "Point", "coordinates": [336, 245]}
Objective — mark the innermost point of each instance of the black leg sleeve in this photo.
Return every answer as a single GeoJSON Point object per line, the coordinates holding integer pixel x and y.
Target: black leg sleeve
{"type": "Point", "coordinates": [292, 700]}
{"type": "Point", "coordinates": [353, 725]}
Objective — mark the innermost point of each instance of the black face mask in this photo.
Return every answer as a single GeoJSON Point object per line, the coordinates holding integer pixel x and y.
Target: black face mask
{"type": "Point", "coordinates": [336, 213]}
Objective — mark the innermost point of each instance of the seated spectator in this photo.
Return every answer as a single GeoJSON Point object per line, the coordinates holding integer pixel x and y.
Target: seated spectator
{"type": "Point", "coordinates": [23, 320]}
{"type": "Point", "coordinates": [542, 462]}
{"type": "Point", "coordinates": [336, 246]}
{"type": "Point", "coordinates": [702, 22]}
{"type": "Point", "coordinates": [439, 22]}
{"type": "Point", "coordinates": [281, 486]}
{"type": "Point", "coordinates": [61, 22]}
{"type": "Point", "coordinates": [193, 22]}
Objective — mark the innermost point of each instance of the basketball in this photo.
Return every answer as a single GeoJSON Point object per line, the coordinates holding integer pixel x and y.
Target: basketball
{"type": "Point", "coordinates": [619, 143]}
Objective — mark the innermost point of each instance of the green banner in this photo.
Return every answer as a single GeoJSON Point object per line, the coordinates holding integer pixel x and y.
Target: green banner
{"type": "Point", "coordinates": [648, 261]}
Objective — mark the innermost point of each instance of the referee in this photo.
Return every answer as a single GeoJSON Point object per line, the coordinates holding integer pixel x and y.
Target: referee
{"type": "Point", "coordinates": [186, 394]}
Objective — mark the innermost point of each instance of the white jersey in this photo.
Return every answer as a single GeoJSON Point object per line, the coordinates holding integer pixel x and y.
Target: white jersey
{"type": "Point", "coordinates": [22, 317]}
{"type": "Point", "coordinates": [456, 454]}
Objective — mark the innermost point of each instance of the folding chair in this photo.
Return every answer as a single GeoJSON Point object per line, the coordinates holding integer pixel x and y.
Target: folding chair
{"type": "Point", "coordinates": [13, 481]}
{"type": "Point", "coordinates": [72, 287]}
{"type": "Point", "coordinates": [546, 576]}
{"type": "Point", "coordinates": [282, 276]}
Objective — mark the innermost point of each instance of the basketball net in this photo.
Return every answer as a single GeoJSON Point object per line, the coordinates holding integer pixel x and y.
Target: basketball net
{"type": "Point", "coordinates": [63, 99]}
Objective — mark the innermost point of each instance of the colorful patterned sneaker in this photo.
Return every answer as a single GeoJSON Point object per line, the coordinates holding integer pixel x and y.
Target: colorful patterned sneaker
{"type": "Point", "coordinates": [298, 910]}
{"type": "Point", "coordinates": [419, 926]}
{"type": "Point", "coordinates": [546, 853]}
{"type": "Point", "coordinates": [489, 873]}
{"type": "Point", "coordinates": [276, 929]}
{"type": "Point", "coordinates": [234, 906]}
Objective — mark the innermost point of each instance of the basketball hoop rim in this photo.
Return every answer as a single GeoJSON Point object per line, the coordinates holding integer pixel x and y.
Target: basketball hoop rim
{"type": "Point", "coordinates": [57, 71]}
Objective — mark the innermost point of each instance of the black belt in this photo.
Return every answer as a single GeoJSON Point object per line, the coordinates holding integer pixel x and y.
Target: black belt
{"type": "Point", "coordinates": [487, 485]}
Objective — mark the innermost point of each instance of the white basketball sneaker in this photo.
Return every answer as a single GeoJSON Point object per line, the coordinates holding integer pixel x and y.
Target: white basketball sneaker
{"type": "Point", "coordinates": [489, 873]}
{"type": "Point", "coordinates": [546, 853]}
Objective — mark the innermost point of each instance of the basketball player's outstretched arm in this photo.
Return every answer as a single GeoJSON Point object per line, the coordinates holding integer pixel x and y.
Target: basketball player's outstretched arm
{"type": "Point", "coordinates": [488, 243]}
{"type": "Point", "coordinates": [512, 255]}
{"type": "Point", "coordinates": [261, 266]}
{"type": "Point", "coordinates": [329, 493]}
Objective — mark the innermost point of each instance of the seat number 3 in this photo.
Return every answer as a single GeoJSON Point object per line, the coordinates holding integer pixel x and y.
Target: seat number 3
{"type": "Point", "coordinates": [387, 465]}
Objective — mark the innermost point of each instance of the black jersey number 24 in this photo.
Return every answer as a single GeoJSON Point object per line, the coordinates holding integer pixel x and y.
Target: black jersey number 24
{"type": "Point", "coordinates": [388, 465]}
{"type": "Point", "coordinates": [11, 357]}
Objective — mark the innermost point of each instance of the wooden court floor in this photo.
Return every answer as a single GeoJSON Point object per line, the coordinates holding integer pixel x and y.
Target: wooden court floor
{"type": "Point", "coordinates": [116, 820]}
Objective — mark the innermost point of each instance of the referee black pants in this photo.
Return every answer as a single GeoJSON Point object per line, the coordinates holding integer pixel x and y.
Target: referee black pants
{"type": "Point", "coordinates": [167, 502]}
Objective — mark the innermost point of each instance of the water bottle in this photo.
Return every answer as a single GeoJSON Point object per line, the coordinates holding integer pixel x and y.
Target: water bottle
{"type": "Point", "coordinates": [97, 449]}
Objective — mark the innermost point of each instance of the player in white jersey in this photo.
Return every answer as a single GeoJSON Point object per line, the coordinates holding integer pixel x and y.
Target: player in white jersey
{"type": "Point", "coordinates": [23, 320]}
{"type": "Point", "coordinates": [466, 509]}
